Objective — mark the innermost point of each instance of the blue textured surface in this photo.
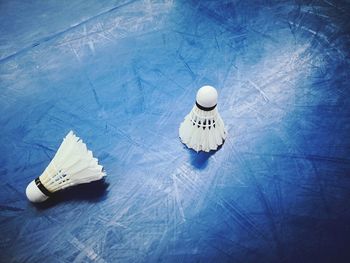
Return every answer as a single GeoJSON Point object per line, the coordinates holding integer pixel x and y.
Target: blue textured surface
{"type": "Point", "coordinates": [122, 75]}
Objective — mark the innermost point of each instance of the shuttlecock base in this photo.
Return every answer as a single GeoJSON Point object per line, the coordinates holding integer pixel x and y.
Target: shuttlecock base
{"type": "Point", "coordinates": [34, 194]}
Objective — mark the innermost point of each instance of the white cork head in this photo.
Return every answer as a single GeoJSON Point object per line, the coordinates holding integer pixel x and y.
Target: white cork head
{"type": "Point", "coordinates": [34, 194]}
{"type": "Point", "coordinates": [207, 96]}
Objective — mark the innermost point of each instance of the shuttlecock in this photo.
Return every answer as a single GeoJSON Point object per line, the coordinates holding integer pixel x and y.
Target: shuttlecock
{"type": "Point", "coordinates": [203, 129]}
{"type": "Point", "coordinates": [72, 164]}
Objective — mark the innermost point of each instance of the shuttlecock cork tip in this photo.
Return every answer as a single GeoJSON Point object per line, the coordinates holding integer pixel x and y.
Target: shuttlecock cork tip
{"type": "Point", "coordinates": [207, 97]}
{"type": "Point", "coordinates": [34, 194]}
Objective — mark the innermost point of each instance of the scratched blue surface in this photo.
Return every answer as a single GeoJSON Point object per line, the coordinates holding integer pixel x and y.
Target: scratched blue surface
{"type": "Point", "coordinates": [122, 75]}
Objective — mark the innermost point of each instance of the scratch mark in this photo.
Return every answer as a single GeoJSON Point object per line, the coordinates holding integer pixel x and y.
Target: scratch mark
{"type": "Point", "coordinates": [193, 75]}
{"type": "Point", "coordinates": [177, 198]}
{"type": "Point", "coordinates": [263, 94]}
{"type": "Point", "coordinates": [89, 252]}
{"type": "Point", "coordinates": [88, 78]}
{"type": "Point", "coordinates": [50, 37]}
{"type": "Point", "coordinates": [10, 208]}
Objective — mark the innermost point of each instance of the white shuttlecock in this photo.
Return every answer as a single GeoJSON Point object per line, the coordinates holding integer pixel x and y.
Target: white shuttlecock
{"type": "Point", "coordinates": [203, 129]}
{"type": "Point", "coordinates": [72, 164]}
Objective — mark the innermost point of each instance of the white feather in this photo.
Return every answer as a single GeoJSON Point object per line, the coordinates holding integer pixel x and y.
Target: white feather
{"type": "Point", "coordinates": [72, 164]}
{"type": "Point", "coordinates": [203, 130]}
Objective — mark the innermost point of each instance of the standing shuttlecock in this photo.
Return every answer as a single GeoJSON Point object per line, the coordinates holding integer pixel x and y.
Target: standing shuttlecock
{"type": "Point", "coordinates": [203, 128]}
{"type": "Point", "coordinates": [72, 164]}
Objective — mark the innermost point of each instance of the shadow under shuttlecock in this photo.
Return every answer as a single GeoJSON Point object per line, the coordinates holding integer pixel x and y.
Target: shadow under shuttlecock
{"type": "Point", "coordinates": [200, 160]}
{"type": "Point", "coordinates": [91, 192]}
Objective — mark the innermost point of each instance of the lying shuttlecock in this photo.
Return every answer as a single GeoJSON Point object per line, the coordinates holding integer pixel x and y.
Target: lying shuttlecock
{"type": "Point", "coordinates": [72, 164]}
{"type": "Point", "coordinates": [203, 128]}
